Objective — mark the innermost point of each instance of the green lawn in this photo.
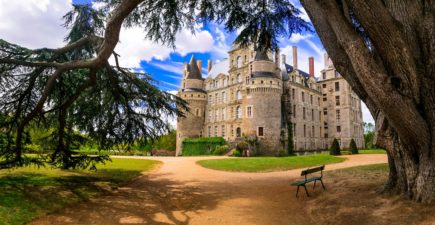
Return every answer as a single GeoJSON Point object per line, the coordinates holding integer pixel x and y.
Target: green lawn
{"type": "Point", "coordinates": [268, 164]}
{"type": "Point", "coordinates": [372, 151]}
{"type": "Point", "coordinates": [28, 193]}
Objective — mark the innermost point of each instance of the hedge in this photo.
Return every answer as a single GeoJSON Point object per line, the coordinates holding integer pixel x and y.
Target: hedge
{"type": "Point", "coordinates": [201, 146]}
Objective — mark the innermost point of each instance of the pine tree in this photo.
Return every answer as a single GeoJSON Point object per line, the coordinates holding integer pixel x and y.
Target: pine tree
{"type": "Point", "coordinates": [352, 147]}
{"type": "Point", "coordinates": [335, 148]}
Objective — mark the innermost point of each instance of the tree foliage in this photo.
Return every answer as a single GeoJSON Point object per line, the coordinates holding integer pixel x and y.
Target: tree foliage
{"type": "Point", "coordinates": [335, 148]}
{"type": "Point", "coordinates": [352, 147]}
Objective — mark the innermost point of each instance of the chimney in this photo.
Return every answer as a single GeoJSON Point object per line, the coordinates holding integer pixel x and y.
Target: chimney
{"type": "Point", "coordinates": [199, 63]}
{"type": "Point", "coordinates": [295, 57]}
{"type": "Point", "coordinates": [311, 66]}
{"type": "Point", "coordinates": [283, 59]}
{"type": "Point", "coordinates": [209, 65]}
{"type": "Point", "coordinates": [277, 57]}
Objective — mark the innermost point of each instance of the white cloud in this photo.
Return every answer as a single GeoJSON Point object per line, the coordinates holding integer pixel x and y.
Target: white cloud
{"type": "Point", "coordinates": [296, 37]}
{"type": "Point", "coordinates": [134, 48]}
{"type": "Point", "coordinates": [34, 23]}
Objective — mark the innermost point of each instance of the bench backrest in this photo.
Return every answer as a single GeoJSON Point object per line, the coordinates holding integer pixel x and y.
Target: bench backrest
{"type": "Point", "coordinates": [312, 170]}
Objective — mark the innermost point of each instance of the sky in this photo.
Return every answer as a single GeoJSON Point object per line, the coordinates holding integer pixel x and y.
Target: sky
{"type": "Point", "coordinates": [38, 23]}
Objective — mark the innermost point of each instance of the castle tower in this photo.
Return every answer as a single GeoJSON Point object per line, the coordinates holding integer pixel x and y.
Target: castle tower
{"type": "Point", "coordinates": [192, 91]}
{"type": "Point", "coordinates": [263, 100]}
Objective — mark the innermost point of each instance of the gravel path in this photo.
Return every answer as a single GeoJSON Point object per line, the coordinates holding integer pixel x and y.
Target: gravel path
{"type": "Point", "coordinates": [182, 192]}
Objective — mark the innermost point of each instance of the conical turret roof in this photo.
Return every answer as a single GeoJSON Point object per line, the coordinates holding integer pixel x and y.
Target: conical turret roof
{"type": "Point", "coordinates": [194, 71]}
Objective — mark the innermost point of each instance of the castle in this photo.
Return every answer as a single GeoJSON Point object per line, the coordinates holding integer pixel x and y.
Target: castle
{"type": "Point", "coordinates": [258, 94]}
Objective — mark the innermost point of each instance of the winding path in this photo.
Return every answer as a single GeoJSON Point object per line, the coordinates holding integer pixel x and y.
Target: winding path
{"type": "Point", "coordinates": [182, 192]}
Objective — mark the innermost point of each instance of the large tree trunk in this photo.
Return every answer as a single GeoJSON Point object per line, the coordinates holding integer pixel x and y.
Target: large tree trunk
{"type": "Point", "coordinates": [386, 51]}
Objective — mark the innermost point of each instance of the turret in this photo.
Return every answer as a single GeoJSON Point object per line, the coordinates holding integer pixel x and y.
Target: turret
{"type": "Point", "coordinates": [192, 91]}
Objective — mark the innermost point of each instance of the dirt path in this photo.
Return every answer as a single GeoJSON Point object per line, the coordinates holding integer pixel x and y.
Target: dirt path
{"type": "Point", "coordinates": [181, 192]}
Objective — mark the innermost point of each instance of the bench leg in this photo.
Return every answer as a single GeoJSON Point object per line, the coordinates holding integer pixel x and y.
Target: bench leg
{"type": "Point", "coordinates": [297, 191]}
{"type": "Point", "coordinates": [322, 184]}
{"type": "Point", "coordinates": [306, 191]}
{"type": "Point", "coordinates": [314, 184]}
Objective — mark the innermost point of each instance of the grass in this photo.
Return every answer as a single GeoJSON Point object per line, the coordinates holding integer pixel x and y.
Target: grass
{"type": "Point", "coordinates": [374, 168]}
{"type": "Point", "coordinates": [30, 192]}
{"type": "Point", "coordinates": [372, 151]}
{"type": "Point", "coordinates": [268, 164]}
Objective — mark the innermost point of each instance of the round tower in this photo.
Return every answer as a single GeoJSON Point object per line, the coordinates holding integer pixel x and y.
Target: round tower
{"type": "Point", "coordinates": [192, 91]}
{"type": "Point", "coordinates": [264, 102]}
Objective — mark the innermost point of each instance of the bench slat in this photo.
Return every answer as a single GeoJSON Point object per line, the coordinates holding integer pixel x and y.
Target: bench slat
{"type": "Point", "coordinates": [312, 170]}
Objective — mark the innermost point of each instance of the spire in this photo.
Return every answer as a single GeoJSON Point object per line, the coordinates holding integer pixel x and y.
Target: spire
{"type": "Point", "coordinates": [261, 55]}
{"type": "Point", "coordinates": [193, 70]}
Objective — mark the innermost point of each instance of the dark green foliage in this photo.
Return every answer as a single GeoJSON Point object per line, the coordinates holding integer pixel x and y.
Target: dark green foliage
{"type": "Point", "coordinates": [165, 142]}
{"type": "Point", "coordinates": [235, 153]}
{"type": "Point", "coordinates": [115, 107]}
{"type": "Point", "coordinates": [220, 150]}
{"type": "Point", "coordinates": [335, 148]}
{"type": "Point", "coordinates": [282, 153]}
{"type": "Point", "coordinates": [241, 146]}
{"type": "Point", "coordinates": [290, 144]}
{"type": "Point", "coordinates": [201, 146]}
{"type": "Point", "coordinates": [352, 147]}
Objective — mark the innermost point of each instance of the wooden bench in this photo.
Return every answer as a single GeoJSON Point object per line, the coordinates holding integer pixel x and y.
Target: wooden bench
{"type": "Point", "coordinates": [310, 179]}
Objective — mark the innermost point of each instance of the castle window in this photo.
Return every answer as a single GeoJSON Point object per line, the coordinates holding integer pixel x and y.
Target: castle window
{"type": "Point", "coordinates": [303, 113]}
{"type": "Point", "coordinates": [217, 115]}
{"type": "Point", "coordinates": [209, 131]}
{"type": "Point", "coordinates": [337, 115]}
{"type": "Point", "coordinates": [305, 130]}
{"type": "Point", "coordinates": [238, 132]}
{"type": "Point", "coordinates": [337, 100]}
{"type": "Point", "coordinates": [210, 99]}
{"type": "Point", "coordinates": [312, 114]}
{"type": "Point", "coordinates": [311, 99]}
{"type": "Point", "coordinates": [325, 111]}
{"type": "Point", "coordinates": [238, 78]}
{"type": "Point", "coordinates": [337, 86]}
{"type": "Point", "coordinates": [318, 100]}
{"type": "Point", "coordinates": [294, 111]}
{"type": "Point", "coordinates": [215, 131]}
{"type": "Point", "coordinates": [249, 111]}
{"type": "Point", "coordinates": [224, 97]}
{"type": "Point", "coordinates": [223, 113]}
{"type": "Point", "coordinates": [239, 95]}
{"type": "Point", "coordinates": [324, 77]}
{"type": "Point", "coordinates": [197, 112]}
{"type": "Point", "coordinates": [223, 130]}
{"type": "Point", "coordinates": [293, 93]}
{"type": "Point", "coordinates": [238, 112]}
{"type": "Point", "coordinates": [260, 131]}
{"type": "Point", "coordinates": [246, 58]}
{"type": "Point", "coordinates": [312, 132]}
{"type": "Point", "coordinates": [338, 129]}
{"type": "Point", "coordinates": [261, 82]}
{"type": "Point", "coordinates": [303, 97]}
{"type": "Point", "coordinates": [326, 136]}
{"type": "Point", "coordinates": [239, 62]}
{"type": "Point", "coordinates": [210, 116]}
{"type": "Point", "coordinates": [232, 131]}
{"type": "Point", "coordinates": [270, 82]}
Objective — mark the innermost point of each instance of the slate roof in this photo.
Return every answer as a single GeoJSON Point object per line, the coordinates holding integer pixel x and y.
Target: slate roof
{"type": "Point", "coordinates": [193, 69]}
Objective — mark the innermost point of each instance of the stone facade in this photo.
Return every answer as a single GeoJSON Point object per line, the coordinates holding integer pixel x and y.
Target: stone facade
{"type": "Point", "coordinates": [249, 94]}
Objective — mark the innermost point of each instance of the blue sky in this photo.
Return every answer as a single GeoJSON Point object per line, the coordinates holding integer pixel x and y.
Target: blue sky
{"type": "Point", "coordinates": [210, 41]}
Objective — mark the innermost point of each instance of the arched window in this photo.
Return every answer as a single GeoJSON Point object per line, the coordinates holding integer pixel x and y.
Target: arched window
{"type": "Point", "coordinates": [239, 62]}
{"type": "Point", "coordinates": [239, 78]}
{"type": "Point", "coordinates": [239, 95]}
{"type": "Point", "coordinates": [238, 132]}
{"type": "Point", "coordinates": [238, 112]}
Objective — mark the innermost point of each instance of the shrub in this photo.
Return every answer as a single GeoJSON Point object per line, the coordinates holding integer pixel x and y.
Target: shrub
{"type": "Point", "coordinates": [282, 153]}
{"type": "Point", "coordinates": [335, 148]}
{"type": "Point", "coordinates": [220, 150]}
{"type": "Point", "coordinates": [201, 146]}
{"type": "Point", "coordinates": [243, 145]}
{"type": "Point", "coordinates": [352, 147]}
{"type": "Point", "coordinates": [235, 153]}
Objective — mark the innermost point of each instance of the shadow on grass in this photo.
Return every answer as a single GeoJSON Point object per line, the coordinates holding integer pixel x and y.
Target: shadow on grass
{"type": "Point", "coordinates": [145, 201]}
{"type": "Point", "coordinates": [27, 195]}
